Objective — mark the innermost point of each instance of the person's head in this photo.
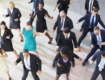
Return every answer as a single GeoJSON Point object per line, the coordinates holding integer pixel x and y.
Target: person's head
{"type": "Point", "coordinates": [3, 25]}
{"type": "Point", "coordinates": [66, 31]}
{"type": "Point", "coordinates": [25, 53]}
{"type": "Point", "coordinates": [40, 6]}
{"type": "Point", "coordinates": [96, 30]}
{"type": "Point", "coordinates": [95, 11]}
{"type": "Point", "coordinates": [103, 54]}
{"type": "Point", "coordinates": [62, 14]}
{"type": "Point", "coordinates": [11, 5]}
{"type": "Point", "coordinates": [65, 52]}
{"type": "Point", "coordinates": [28, 24]}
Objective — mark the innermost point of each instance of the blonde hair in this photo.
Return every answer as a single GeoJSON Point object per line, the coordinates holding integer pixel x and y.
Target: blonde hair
{"type": "Point", "coordinates": [11, 3]}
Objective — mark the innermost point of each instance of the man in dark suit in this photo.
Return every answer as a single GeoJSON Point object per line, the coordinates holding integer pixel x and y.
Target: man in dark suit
{"type": "Point", "coordinates": [90, 4]}
{"type": "Point", "coordinates": [30, 63]}
{"type": "Point", "coordinates": [35, 6]}
{"type": "Point", "coordinates": [62, 22]}
{"type": "Point", "coordinates": [98, 42]}
{"type": "Point", "coordinates": [92, 20]}
{"type": "Point", "coordinates": [68, 38]}
{"type": "Point", "coordinates": [100, 65]}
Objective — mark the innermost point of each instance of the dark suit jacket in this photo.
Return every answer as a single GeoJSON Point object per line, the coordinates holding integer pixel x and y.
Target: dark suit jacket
{"type": "Point", "coordinates": [68, 23]}
{"type": "Point", "coordinates": [15, 15]}
{"type": "Point", "coordinates": [63, 42]}
{"type": "Point", "coordinates": [97, 57]}
{"type": "Point", "coordinates": [36, 3]}
{"type": "Point", "coordinates": [35, 62]}
{"type": "Point", "coordinates": [87, 18]}
{"type": "Point", "coordinates": [95, 4]}
{"type": "Point", "coordinates": [94, 38]}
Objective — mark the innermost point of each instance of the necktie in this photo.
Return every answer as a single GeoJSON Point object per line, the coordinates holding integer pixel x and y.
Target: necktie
{"type": "Point", "coordinates": [90, 6]}
{"type": "Point", "coordinates": [66, 37]}
{"type": "Point", "coordinates": [101, 65]}
{"type": "Point", "coordinates": [99, 41]}
{"type": "Point", "coordinates": [92, 22]}
{"type": "Point", "coordinates": [61, 23]}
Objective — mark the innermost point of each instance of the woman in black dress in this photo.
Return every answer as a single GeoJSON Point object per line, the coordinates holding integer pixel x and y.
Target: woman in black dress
{"type": "Point", "coordinates": [63, 5]}
{"type": "Point", "coordinates": [41, 25]}
{"type": "Point", "coordinates": [6, 37]}
{"type": "Point", "coordinates": [62, 61]}
{"type": "Point", "coordinates": [15, 16]}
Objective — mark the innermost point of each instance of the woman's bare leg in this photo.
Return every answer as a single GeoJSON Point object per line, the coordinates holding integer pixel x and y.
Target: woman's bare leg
{"type": "Point", "coordinates": [57, 77]}
{"type": "Point", "coordinates": [19, 31]}
{"type": "Point", "coordinates": [8, 75]}
{"type": "Point", "coordinates": [67, 76]}
{"type": "Point", "coordinates": [15, 53]}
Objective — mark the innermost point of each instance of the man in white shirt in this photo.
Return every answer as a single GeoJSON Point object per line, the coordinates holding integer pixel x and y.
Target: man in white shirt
{"type": "Point", "coordinates": [100, 65]}
{"type": "Point", "coordinates": [30, 63]}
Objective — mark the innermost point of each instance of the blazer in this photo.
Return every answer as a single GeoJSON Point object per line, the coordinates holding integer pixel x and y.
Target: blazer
{"type": "Point", "coordinates": [35, 62]}
{"type": "Point", "coordinates": [68, 23]}
{"type": "Point", "coordinates": [95, 4]}
{"type": "Point", "coordinates": [87, 18]}
{"type": "Point", "coordinates": [14, 15]}
{"type": "Point", "coordinates": [36, 3]}
{"type": "Point", "coordinates": [97, 57]}
{"type": "Point", "coordinates": [94, 37]}
{"type": "Point", "coordinates": [63, 42]}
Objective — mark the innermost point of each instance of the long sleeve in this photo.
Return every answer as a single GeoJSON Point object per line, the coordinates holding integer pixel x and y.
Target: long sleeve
{"type": "Point", "coordinates": [19, 14]}
{"type": "Point", "coordinates": [102, 24]}
{"type": "Point", "coordinates": [83, 18]}
{"type": "Point", "coordinates": [59, 40]}
{"type": "Point", "coordinates": [71, 24]}
{"type": "Point", "coordinates": [76, 56]}
{"type": "Point", "coordinates": [11, 35]}
{"type": "Point", "coordinates": [39, 63]}
{"type": "Point", "coordinates": [75, 40]}
{"type": "Point", "coordinates": [56, 58]}
{"type": "Point", "coordinates": [86, 8]}
{"type": "Point", "coordinates": [19, 58]}
{"type": "Point", "coordinates": [7, 15]}
{"type": "Point", "coordinates": [56, 23]}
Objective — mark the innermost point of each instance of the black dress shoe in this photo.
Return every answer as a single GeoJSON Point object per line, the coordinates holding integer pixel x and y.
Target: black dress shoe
{"type": "Point", "coordinates": [84, 63]}
{"type": "Point", "coordinates": [10, 79]}
{"type": "Point", "coordinates": [81, 29]}
{"type": "Point", "coordinates": [50, 41]}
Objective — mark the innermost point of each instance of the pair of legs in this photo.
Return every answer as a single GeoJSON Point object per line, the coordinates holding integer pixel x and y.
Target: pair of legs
{"type": "Point", "coordinates": [84, 34]}
{"type": "Point", "coordinates": [18, 30]}
{"type": "Point", "coordinates": [96, 74]}
{"type": "Point", "coordinates": [58, 76]}
{"type": "Point", "coordinates": [25, 74]}
{"type": "Point", "coordinates": [93, 50]}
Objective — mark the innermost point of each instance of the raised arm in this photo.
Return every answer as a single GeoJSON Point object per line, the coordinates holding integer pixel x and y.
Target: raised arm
{"type": "Point", "coordinates": [70, 3]}
{"type": "Point", "coordinates": [50, 17]}
{"type": "Point", "coordinates": [33, 16]}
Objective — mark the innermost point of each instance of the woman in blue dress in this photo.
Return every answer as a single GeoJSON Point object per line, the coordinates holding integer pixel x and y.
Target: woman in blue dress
{"type": "Point", "coordinates": [29, 37]}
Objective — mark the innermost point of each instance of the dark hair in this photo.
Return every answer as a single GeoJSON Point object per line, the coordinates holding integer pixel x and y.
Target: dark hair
{"type": "Point", "coordinates": [6, 29]}
{"type": "Point", "coordinates": [41, 3]}
{"type": "Point", "coordinates": [66, 30]}
{"type": "Point", "coordinates": [25, 51]}
{"type": "Point", "coordinates": [103, 54]}
{"type": "Point", "coordinates": [95, 9]}
{"type": "Point", "coordinates": [29, 23]}
{"type": "Point", "coordinates": [66, 51]}
{"type": "Point", "coordinates": [96, 28]}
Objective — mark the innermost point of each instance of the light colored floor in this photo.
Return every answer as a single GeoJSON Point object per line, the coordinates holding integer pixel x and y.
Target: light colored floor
{"type": "Point", "coordinates": [47, 52]}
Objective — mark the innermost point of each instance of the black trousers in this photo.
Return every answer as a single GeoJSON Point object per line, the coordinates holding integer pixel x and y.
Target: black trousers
{"type": "Point", "coordinates": [25, 74]}
{"type": "Point", "coordinates": [84, 34]}
{"type": "Point", "coordinates": [96, 74]}
{"type": "Point", "coordinates": [93, 50]}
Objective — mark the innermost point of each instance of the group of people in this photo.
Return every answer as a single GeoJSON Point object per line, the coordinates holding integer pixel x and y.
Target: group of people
{"type": "Point", "coordinates": [66, 40]}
